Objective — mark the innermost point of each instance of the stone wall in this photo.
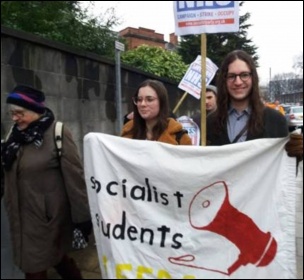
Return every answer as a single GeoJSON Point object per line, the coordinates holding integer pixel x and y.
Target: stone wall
{"type": "Point", "coordinates": [79, 86]}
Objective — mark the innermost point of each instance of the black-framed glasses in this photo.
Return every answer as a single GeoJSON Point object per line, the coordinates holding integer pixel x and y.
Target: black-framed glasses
{"type": "Point", "coordinates": [244, 76]}
{"type": "Point", "coordinates": [148, 99]}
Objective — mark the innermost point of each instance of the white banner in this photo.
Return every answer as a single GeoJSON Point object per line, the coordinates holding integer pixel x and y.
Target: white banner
{"type": "Point", "coordinates": [162, 211]}
{"type": "Point", "coordinates": [197, 17]}
{"type": "Point", "coordinates": [192, 80]}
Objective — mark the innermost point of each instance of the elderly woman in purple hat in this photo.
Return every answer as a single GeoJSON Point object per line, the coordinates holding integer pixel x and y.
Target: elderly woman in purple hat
{"type": "Point", "coordinates": [45, 195]}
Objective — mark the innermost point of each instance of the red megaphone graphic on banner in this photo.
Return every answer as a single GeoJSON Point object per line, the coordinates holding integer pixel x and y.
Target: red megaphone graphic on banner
{"type": "Point", "coordinates": [219, 216]}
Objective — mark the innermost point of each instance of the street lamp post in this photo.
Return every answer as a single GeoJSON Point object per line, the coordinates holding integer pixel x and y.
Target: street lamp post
{"type": "Point", "coordinates": [118, 48]}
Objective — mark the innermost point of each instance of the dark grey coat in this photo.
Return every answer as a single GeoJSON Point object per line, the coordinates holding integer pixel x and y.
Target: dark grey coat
{"type": "Point", "coordinates": [275, 126]}
{"type": "Point", "coordinates": [43, 197]}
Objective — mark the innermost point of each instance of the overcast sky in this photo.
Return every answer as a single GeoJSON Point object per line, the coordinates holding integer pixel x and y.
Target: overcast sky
{"type": "Point", "coordinates": [277, 28]}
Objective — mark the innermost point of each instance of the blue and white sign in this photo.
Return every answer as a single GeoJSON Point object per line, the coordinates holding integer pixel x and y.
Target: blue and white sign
{"type": "Point", "coordinates": [192, 128]}
{"type": "Point", "coordinates": [192, 80]}
{"type": "Point", "coordinates": [197, 17]}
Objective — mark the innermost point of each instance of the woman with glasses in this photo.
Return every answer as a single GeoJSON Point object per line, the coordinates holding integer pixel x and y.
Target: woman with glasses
{"type": "Point", "coordinates": [241, 115]}
{"type": "Point", "coordinates": [150, 119]}
{"type": "Point", "coordinates": [45, 196]}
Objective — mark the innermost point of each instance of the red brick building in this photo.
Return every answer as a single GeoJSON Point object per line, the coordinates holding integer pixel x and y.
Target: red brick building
{"type": "Point", "coordinates": [139, 36]}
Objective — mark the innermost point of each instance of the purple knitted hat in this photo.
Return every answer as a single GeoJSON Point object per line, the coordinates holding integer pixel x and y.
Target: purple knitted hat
{"type": "Point", "coordinates": [27, 97]}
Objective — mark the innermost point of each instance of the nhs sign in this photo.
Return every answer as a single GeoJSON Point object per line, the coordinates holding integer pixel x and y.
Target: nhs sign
{"type": "Point", "coordinates": [200, 5]}
{"type": "Point", "coordinates": [196, 17]}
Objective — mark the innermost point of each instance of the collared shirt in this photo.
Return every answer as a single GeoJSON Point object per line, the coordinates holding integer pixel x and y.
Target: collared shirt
{"type": "Point", "coordinates": [236, 122]}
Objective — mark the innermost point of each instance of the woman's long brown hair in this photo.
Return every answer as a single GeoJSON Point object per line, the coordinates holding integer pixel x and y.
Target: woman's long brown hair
{"type": "Point", "coordinates": [139, 125]}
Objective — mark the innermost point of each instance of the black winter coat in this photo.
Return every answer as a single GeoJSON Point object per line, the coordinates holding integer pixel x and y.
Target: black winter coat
{"type": "Point", "coordinates": [275, 126]}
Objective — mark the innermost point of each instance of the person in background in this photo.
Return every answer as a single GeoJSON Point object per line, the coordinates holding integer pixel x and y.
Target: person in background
{"type": "Point", "coordinates": [276, 105]}
{"type": "Point", "coordinates": [240, 114]}
{"type": "Point", "coordinates": [151, 121]}
{"type": "Point", "coordinates": [45, 196]}
{"type": "Point", "coordinates": [211, 96]}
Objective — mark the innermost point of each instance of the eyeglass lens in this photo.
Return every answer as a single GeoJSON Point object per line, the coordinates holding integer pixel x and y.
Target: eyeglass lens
{"type": "Point", "coordinates": [244, 76]}
{"type": "Point", "coordinates": [147, 99]}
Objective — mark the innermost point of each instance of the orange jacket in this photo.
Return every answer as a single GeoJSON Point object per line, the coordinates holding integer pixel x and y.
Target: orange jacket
{"type": "Point", "coordinates": [275, 107]}
{"type": "Point", "coordinates": [168, 136]}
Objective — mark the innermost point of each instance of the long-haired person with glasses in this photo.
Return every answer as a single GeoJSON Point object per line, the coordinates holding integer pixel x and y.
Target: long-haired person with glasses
{"type": "Point", "coordinates": [151, 116]}
{"type": "Point", "coordinates": [240, 114]}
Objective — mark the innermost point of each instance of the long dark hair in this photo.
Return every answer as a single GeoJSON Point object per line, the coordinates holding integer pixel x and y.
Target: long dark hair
{"type": "Point", "coordinates": [139, 125]}
{"type": "Point", "coordinates": [255, 124]}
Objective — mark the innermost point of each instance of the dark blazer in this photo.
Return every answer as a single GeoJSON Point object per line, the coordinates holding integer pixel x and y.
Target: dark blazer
{"type": "Point", "coordinates": [275, 126]}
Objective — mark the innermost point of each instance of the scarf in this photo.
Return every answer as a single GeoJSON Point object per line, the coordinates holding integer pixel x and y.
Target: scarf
{"type": "Point", "coordinates": [32, 134]}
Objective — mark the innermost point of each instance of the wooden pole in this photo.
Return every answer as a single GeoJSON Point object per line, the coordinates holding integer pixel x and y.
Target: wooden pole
{"type": "Point", "coordinates": [203, 93]}
{"type": "Point", "coordinates": [180, 102]}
